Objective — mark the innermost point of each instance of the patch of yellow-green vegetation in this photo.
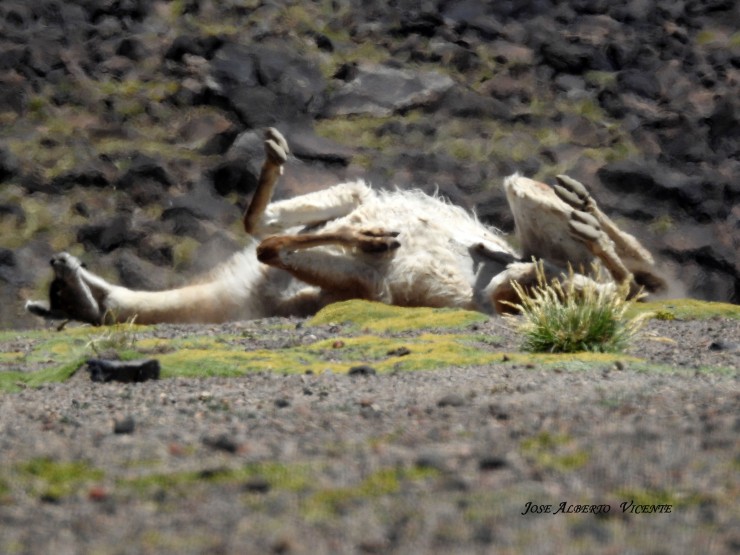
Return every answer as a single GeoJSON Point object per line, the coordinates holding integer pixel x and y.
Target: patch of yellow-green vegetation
{"type": "Point", "coordinates": [117, 337]}
{"type": "Point", "coordinates": [149, 144]}
{"type": "Point", "coordinates": [5, 491]}
{"type": "Point", "coordinates": [356, 132]}
{"type": "Point", "coordinates": [620, 149]}
{"type": "Point", "coordinates": [57, 355]}
{"type": "Point", "coordinates": [296, 477]}
{"type": "Point", "coordinates": [202, 363]}
{"type": "Point", "coordinates": [735, 40]}
{"type": "Point", "coordinates": [299, 17]}
{"type": "Point", "coordinates": [706, 36]}
{"type": "Point", "coordinates": [662, 224]}
{"type": "Point", "coordinates": [183, 252]}
{"type": "Point", "coordinates": [327, 503]}
{"type": "Point", "coordinates": [588, 108]}
{"type": "Point", "coordinates": [480, 142]}
{"type": "Point", "coordinates": [554, 452]}
{"type": "Point", "coordinates": [193, 540]}
{"type": "Point", "coordinates": [40, 217]}
{"type": "Point", "coordinates": [51, 161]}
{"type": "Point", "coordinates": [601, 79]}
{"type": "Point", "coordinates": [379, 317]}
{"type": "Point", "coordinates": [60, 354]}
{"type": "Point", "coordinates": [152, 91]}
{"type": "Point", "coordinates": [53, 480]}
{"type": "Point", "coordinates": [427, 352]}
{"type": "Point", "coordinates": [13, 380]}
{"type": "Point", "coordinates": [575, 361]}
{"type": "Point", "coordinates": [686, 309]}
{"type": "Point", "coordinates": [365, 51]}
{"type": "Point", "coordinates": [62, 140]}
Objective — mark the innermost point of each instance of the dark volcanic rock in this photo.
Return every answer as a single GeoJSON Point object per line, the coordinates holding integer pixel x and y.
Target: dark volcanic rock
{"type": "Point", "coordinates": [381, 90]}
{"type": "Point", "coordinates": [7, 265]}
{"type": "Point", "coordinates": [659, 182]}
{"type": "Point", "coordinates": [264, 85]}
{"type": "Point", "coordinates": [109, 236]}
{"type": "Point", "coordinates": [9, 166]}
{"type": "Point", "coordinates": [123, 371]}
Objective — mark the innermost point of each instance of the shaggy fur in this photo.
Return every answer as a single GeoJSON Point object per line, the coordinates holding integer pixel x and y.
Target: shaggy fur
{"type": "Point", "coordinates": [351, 241]}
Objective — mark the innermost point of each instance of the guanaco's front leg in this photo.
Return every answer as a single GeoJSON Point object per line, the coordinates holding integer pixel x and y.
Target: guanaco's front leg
{"type": "Point", "coordinates": [276, 151]}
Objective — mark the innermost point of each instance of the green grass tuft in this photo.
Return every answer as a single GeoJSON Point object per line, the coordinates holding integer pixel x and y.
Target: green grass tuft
{"type": "Point", "coordinates": [557, 318]}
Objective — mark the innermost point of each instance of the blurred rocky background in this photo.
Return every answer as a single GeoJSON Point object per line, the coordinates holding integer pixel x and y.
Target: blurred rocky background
{"type": "Point", "coordinates": [130, 130]}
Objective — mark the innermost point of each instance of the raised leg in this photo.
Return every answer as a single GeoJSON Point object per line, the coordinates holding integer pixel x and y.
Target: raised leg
{"type": "Point", "coordinates": [263, 218]}
{"type": "Point", "coordinates": [541, 220]}
{"type": "Point", "coordinates": [586, 228]}
{"type": "Point", "coordinates": [276, 151]}
{"type": "Point", "coordinates": [353, 271]}
{"type": "Point", "coordinates": [625, 252]}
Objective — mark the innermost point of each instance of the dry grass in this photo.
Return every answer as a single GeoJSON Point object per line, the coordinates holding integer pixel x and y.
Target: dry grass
{"type": "Point", "coordinates": [558, 317]}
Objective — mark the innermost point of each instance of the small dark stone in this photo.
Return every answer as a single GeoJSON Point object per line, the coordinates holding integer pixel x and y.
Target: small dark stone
{"type": "Point", "coordinates": [498, 412]}
{"type": "Point", "coordinates": [722, 345]}
{"type": "Point", "coordinates": [491, 462]}
{"type": "Point", "coordinates": [451, 400]}
{"type": "Point", "coordinates": [9, 165]}
{"type": "Point", "coordinates": [324, 43]}
{"type": "Point", "coordinates": [108, 237]}
{"type": "Point", "coordinates": [282, 402]}
{"type": "Point", "coordinates": [221, 443]}
{"type": "Point", "coordinates": [456, 483]}
{"type": "Point", "coordinates": [256, 484]}
{"type": "Point", "coordinates": [123, 371]}
{"type": "Point", "coordinates": [210, 473]}
{"type": "Point", "coordinates": [124, 425]}
{"type": "Point", "coordinates": [399, 352]}
{"type": "Point", "coordinates": [432, 460]}
{"type": "Point", "coordinates": [362, 370]}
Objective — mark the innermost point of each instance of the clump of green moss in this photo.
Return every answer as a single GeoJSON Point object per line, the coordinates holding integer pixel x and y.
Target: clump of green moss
{"type": "Point", "coordinates": [554, 452]}
{"type": "Point", "coordinates": [686, 309]}
{"type": "Point", "coordinates": [379, 317]}
{"type": "Point", "coordinates": [53, 480]}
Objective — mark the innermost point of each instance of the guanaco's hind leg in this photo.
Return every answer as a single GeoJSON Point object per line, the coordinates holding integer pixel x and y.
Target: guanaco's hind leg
{"type": "Point", "coordinates": [621, 253]}
{"type": "Point", "coordinates": [343, 272]}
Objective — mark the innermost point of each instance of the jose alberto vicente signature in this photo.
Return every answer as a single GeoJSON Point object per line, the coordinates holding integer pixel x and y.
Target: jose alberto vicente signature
{"type": "Point", "coordinates": [568, 508]}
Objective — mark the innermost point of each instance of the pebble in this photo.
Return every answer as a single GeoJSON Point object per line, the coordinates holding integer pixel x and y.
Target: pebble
{"type": "Point", "coordinates": [124, 425]}
{"type": "Point", "coordinates": [221, 443]}
{"type": "Point", "coordinates": [362, 370]}
{"type": "Point", "coordinates": [451, 400]}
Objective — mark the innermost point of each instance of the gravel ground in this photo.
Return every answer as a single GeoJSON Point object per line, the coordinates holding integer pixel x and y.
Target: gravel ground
{"type": "Point", "coordinates": [412, 462]}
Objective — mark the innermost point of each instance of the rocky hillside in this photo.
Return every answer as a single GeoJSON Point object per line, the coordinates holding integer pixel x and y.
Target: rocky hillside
{"type": "Point", "coordinates": [130, 129]}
